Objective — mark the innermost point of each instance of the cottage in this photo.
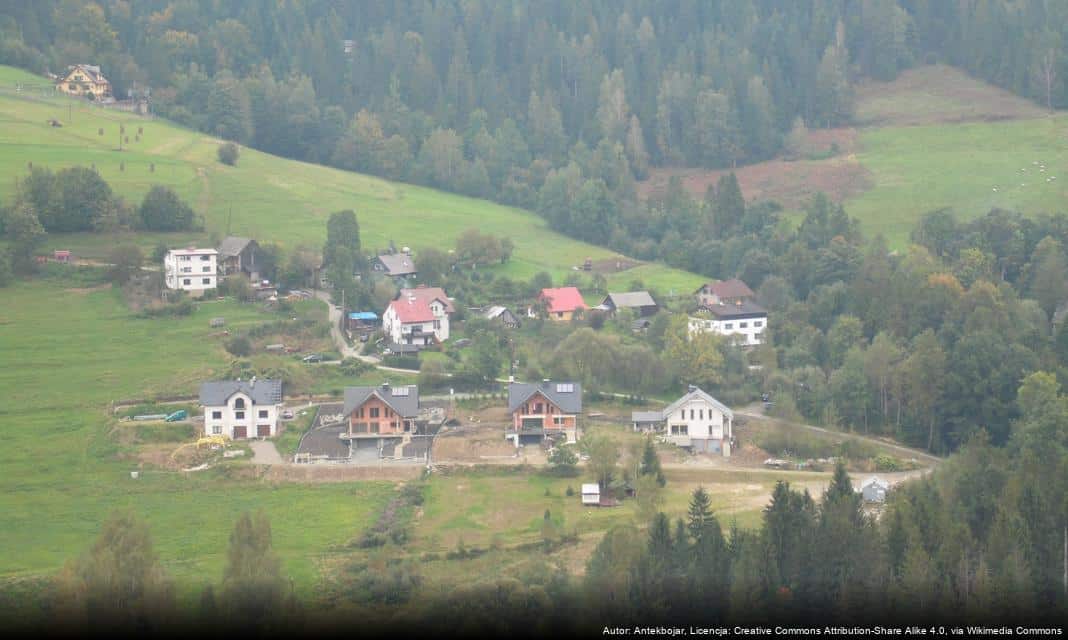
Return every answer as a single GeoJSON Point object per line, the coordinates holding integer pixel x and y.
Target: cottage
{"type": "Point", "coordinates": [545, 409]}
{"type": "Point", "coordinates": [696, 421]}
{"type": "Point", "coordinates": [640, 301]}
{"type": "Point", "coordinates": [724, 292]}
{"type": "Point", "coordinates": [84, 80]}
{"type": "Point", "coordinates": [240, 409]}
{"type": "Point", "coordinates": [744, 319]}
{"type": "Point", "coordinates": [874, 489]}
{"type": "Point", "coordinates": [239, 255]}
{"type": "Point", "coordinates": [382, 411]}
{"type": "Point", "coordinates": [561, 303]}
{"type": "Point", "coordinates": [395, 265]}
{"type": "Point", "coordinates": [418, 316]}
{"type": "Point", "coordinates": [502, 315]}
{"type": "Point", "coordinates": [193, 270]}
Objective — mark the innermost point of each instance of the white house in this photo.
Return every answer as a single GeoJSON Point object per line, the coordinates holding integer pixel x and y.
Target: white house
{"type": "Point", "coordinates": [874, 489]}
{"type": "Point", "coordinates": [192, 270]}
{"type": "Point", "coordinates": [745, 319]}
{"type": "Point", "coordinates": [696, 420]}
{"type": "Point", "coordinates": [239, 409]}
{"type": "Point", "coordinates": [418, 316]}
{"type": "Point", "coordinates": [591, 495]}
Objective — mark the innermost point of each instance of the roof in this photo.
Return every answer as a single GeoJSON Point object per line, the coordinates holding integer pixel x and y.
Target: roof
{"type": "Point", "coordinates": [646, 416]}
{"type": "Point", "coordinates": [423, 292]}
{"type": "Point", "coordinates": [494, 311]}
{"type": "Point", "coordinates": [363, 315]}
{"type": "Point", "coordinates": [233, 246]}
{"type": "Point", "coordinates": [591, 488]}
{"type": "Point", "coordinates": [568, 401]}
{"type": "Point", "coordinates": [563, 299]}
{"type": "Point", "coordinates": [91, 70]}
{"type": "Point", "coordinates": [745, 309]}
{"type": "Point", "coordinates": [877, 481]}
{"type": "Point", "coordinates": [412, 309]}
{"type": "Point", "coordinates": [191, 251]}
{"type": "Point", "coordinates": [216, 393]}
{"type": "Point", "coordinates": [696, 393]}
{"type": "Point", "coordinates": [397, 264]}
{"type": "Point", "coordinates": [733, 288]}
{"type": "Point", "coordinates": [403, 399]}
{"type": "Point", "coordinates": [631, 299]}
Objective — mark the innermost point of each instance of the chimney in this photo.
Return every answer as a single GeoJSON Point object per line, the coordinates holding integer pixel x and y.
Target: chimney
{"type": "Point", "coordinates": [692, 388]}
{"type": "Point", "coordinates": [252, 382]}
{"type": "Point", "coordinates": [385, 385]}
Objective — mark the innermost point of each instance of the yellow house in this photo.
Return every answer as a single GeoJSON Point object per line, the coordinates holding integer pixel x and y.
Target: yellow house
{"type": "Point", "coordinates": [84, 79]}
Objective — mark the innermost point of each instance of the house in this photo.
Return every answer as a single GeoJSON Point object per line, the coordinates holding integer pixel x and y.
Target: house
{"type": "Point", "coordinates": [640, 301]}
{"type": "Point", "coordinates": [193, 270]}
{"type": "Point", "coordinates": [418, 316]}
{"type": "Point", "coordinates": [385, 411]}
{"type": "Point", "coordinates": [502, 315]}
{"type": "Point", "coordinates": [395, 265]}
{"type": "Point", "coordinates": [84, 80]}
{"type": "Point", "coordinates": [544, 409]}
{"type": "Point", "coordinates": [561, 303]}
{"type": "Point", "coordinates": [238, 255]}
{"type": "Point", "coordinates": [744, 318]}
{"type": "Point", "coordinates": [239, 409]}
{"type": "Point", "coordinates": [723, 292]}
{"type": "Point", "coordinates": [591, 494]}
{"type": "Point", "coordinates": [874, 489]}
{"type": "Point", "coordinates": [696, 421]}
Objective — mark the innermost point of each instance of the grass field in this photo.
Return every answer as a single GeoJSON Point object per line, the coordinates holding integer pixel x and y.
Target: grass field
{"type": "Point", "coordinates": [264, 196]}
{"type": "Point", "coordinates": [67, 354]}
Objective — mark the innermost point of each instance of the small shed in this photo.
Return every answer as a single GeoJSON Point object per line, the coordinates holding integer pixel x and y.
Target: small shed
{"type": "Point", "coordinates": [61, 255]}
{"type": "Point", "coordinates": [591, 495]}
{"type": "Point", "coordinates": [362, 320]}
{"type": "Point", "coordinates": [874, 489]}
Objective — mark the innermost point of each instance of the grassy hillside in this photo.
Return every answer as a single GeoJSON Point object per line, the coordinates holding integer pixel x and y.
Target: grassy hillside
{"type": "Point", "coordinates": [264, 196]}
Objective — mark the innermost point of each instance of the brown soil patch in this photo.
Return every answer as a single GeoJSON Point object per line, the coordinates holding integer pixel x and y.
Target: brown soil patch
{"type": "Point", "coordinates": [478, 439]}
{"type": "Point", "coordinates": [791, 184]}
{"type": "Point", "coordinates": [614, 265]}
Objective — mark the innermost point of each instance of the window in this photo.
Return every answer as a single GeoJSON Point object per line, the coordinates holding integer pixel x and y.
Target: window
{"type": "Point", "coordinates": [205, 258]}
{"type": "Point", "coordinates": [239, 415]}
{"type": "Point", "coordinates": [758, 323]}
{"type": "Point", "coordinates": [206, 270]}
{"type": "Point", "coordinates": [207, 281]}
{"type": "Point", "coordinates": [537, 408]}
{"type": "Point", "coordinates": [184, 258]}
{"type": "Point", "coordinates": [691, 414]}
{"type": "Point", "coordinates": [187, 269]}
{"type": "Point", "coordinates": [700, 414]}
{"type": "Point", "coordinates": [263, 413]}
{"type": "Point", "coordinates": [359, 412]}
{"type": "Point", "coordinates": [679, 430]}
{"type": "Point", "coordinates": [728, 326]}
{"type": "Point", "coordinates": [558, 420]}
{"type": "Point", "coordinates": [216, 429]}
{"type": "Point", "coordinates": [216, 415]}
{"type": "Point", "coordinates": [374, 412]}
{"type": "Point", "coordinates": [187, 281]}
{"type": "Point", "coordinates": [437, 324]}
{"type": "Point", "coordinates": [559, 314]}
{"type": "Point", "coordinates": [239, 403]}
{"type": "Point", "coordinates": [565, 387]}
{"type": "Point", "coordinates": [743, 325]}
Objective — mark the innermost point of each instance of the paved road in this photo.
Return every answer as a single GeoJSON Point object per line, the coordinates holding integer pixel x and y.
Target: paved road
{"type": "Point", "coordinates": [264, 452]}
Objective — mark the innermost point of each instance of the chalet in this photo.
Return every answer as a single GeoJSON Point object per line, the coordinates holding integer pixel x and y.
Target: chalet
{"type": "Point", "coordinates": [239, 409]}
{"type": "Point", "coordinates": [561, 303]}
{"type": "Point", "coordinates": [193, 270]}
{"type": "Point", "coordinates": [239, 255]}
{"type": "Point", "coordinates": [640, 301]}
{"type": "Point", "coordinates": [418, 316]}
{"type": "Point", "coordinates": [84, 80]}
{"type": "Point", "coordinates": [502, 315]}
{"type": "Point", "coordinates": [395, 265]}
{"type": "Point", "coordinates": [724, 292]}
{"type": "Point", "coordinates": [382, 411]}
{"type": "Point", "coordinates": [545, 409]}
{"type": "Point", "coordinates": [696, 421]}
{"type": "Point", "coordinates": [744, 319]}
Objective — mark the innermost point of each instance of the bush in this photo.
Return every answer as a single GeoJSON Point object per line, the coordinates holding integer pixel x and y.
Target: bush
{"type": "Point", "coordinates": [183, 307]}
{"type": "Point", "coordinates": [401, 362]}
{"type": "Point", "coordinates": [239, 346]}
{"type": "Point", "coordinates": [228, 153]}
{"type": "Point", "coordinates": [354, 367]}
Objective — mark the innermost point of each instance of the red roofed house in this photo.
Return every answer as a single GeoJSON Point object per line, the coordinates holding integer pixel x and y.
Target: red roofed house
{"type": "Point", "coordinates": [562, 303]}
{"type": "Point", "coordinates": [418, 316]}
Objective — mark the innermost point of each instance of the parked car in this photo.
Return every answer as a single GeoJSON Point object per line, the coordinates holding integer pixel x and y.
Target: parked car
{"type": "Point", "coordinates": [461, 343]}
{"type": "Point", "coordinates": [287, 414]}
{"type": "Point", "coordinates": [313, 357]}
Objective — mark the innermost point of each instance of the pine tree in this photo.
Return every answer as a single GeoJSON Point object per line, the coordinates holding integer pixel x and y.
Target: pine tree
{"type": "Point", "coordinates": [699, 513]}
{"type": "Point", "coordinates": [253, 586]}
{"type": "Point", "coordinates": [651, 463]}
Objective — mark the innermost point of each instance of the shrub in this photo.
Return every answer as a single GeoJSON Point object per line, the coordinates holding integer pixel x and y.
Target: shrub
{"type": "Point", "coordinates": [239, 346]}
{"type": "Point", "coordinates": [228, 153]}
{"type": "Point", "coordinates": [354, 367]}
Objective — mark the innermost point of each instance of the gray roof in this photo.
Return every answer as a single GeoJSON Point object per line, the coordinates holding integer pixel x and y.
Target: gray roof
{"type": "Point", "coordinates": [233, 246]}
{"type": "Point", "coordinates": [876, 481]}
{"type": "Point", "coordinates": [397, 264]}
{"type": "Point", "coordinates": [631, 299]}
{"type": "Point", "coordinates": [406, 405]}
{"type": "Point", "coordinates": [646, 416]}
{"type": "Point", "coordinates": [569, 401]}
{"type": "Point", "coordinates": [746, 309]}
{"type": "Point", "coordinates": [698, 393]}
{"type": "Point", "coordinates": [216, 393]}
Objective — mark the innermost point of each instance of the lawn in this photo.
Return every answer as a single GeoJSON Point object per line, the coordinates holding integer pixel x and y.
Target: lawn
{"type": "Point", "coordinates": [67, 355]}
{"type": "Point", "coordinates": [266, 197]}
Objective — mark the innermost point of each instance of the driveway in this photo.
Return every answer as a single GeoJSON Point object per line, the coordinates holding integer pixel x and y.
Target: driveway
{"type": "Point", "coordinates": [264, 452]}
{"type": "Point", "coordinates": [334, 315]}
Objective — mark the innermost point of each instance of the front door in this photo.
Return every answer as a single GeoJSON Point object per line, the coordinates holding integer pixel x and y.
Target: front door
{"type": "Point", "coordinates": [240, 433]}
{"type": "Point", "coordinates": [263, 430]}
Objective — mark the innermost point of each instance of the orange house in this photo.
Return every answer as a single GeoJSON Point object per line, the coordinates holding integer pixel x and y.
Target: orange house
{"type": "Point", "coordinates": [543, 409]}
{"type": "Point", "coordinates": [383, 411]}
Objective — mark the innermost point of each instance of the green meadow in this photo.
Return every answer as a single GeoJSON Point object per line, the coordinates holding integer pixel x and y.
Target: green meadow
{"type": "Point", "coordinates": [264, 196]}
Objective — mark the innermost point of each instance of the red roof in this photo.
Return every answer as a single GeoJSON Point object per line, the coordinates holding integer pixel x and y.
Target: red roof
{"type": "Point", "coordinates": [563, 299]}
{"type": "Point", "coordinates": [413, 305]}
{"type": "Point", "coordinates": [733, 288]}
